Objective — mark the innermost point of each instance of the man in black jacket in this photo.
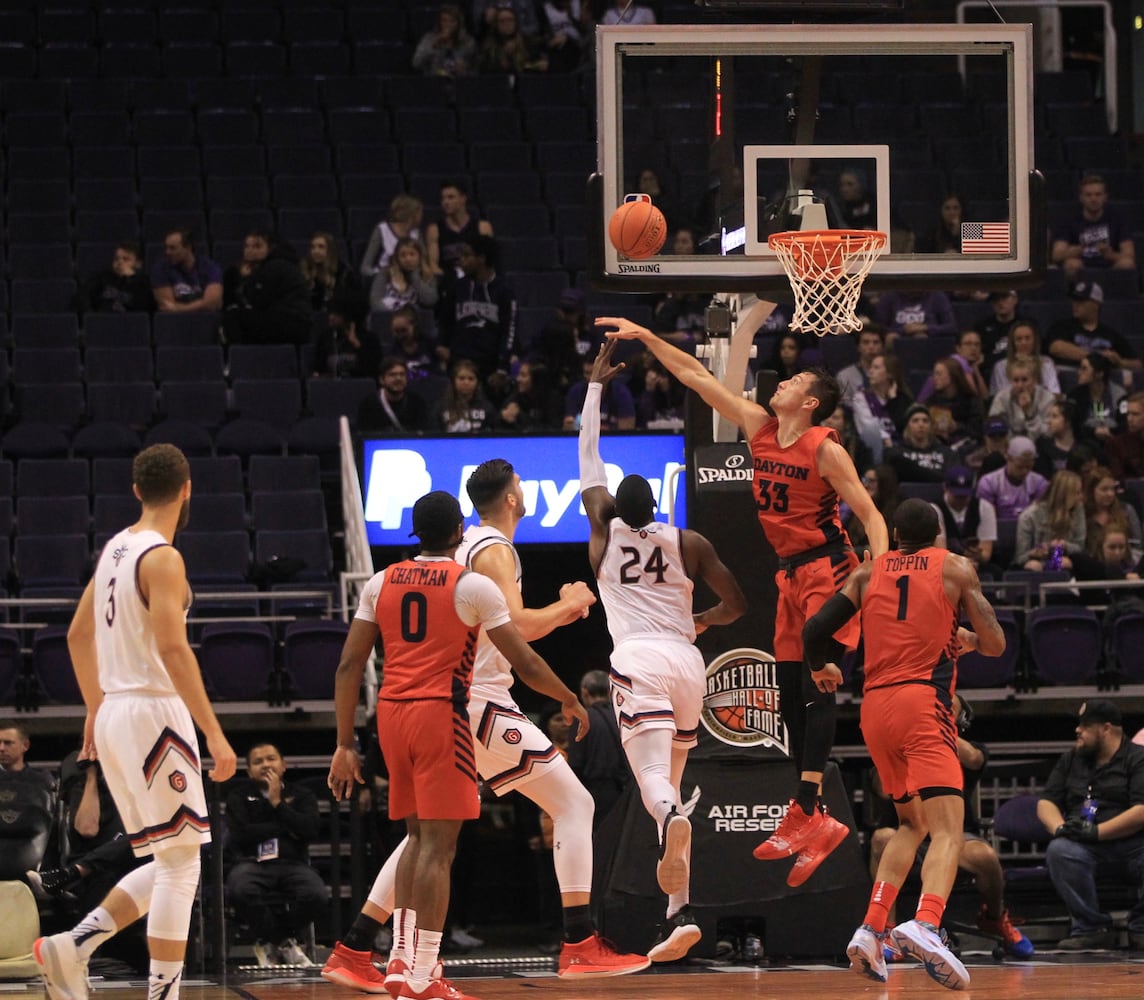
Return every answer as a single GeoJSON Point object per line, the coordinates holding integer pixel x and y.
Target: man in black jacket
{"type": "Point", "coordinates": [267, 299]}
{"type": "Point", "coordinates": [598, 759]}
{"type": "Point", "coordinates": [269, 827]}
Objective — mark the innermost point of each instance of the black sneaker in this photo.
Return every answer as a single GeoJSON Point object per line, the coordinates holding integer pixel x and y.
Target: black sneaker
{"type": "Point", "coordinates": [676, 937]}
{"type": "Point", "coordinates": [52, 882]}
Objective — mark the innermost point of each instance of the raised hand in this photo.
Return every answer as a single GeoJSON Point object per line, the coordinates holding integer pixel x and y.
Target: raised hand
{"type": "Point", "coordinates": [625, 329]}
{"type": "Point", "coordinates": [602, 368]}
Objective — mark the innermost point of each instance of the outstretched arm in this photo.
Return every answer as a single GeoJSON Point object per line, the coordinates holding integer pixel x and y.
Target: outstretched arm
{"type": "Point", "coordinates": [598, 502]}
{"type": "Point", "coordinates": [837, 468]}
{"type": "Point", "coordinates": [703, 561]}
{"type": "Point", "coordinates": [691, 372]}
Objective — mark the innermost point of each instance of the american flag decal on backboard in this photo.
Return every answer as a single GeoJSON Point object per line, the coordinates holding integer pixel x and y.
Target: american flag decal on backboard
{"type": "Point", "coordinates": [985, 237]}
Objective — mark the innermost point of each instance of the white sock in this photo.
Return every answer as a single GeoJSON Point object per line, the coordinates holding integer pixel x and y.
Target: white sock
{"type": "Point", "coordinates": [424, 959]}
{"type": "Point", "coordinates": [163, 983]}
{"type": "Point", "coordinates": [92, 931]}
{"type": "Point", "coordinates": [404, 932]}
{"type": "Point", "coordinates": [678, 900]}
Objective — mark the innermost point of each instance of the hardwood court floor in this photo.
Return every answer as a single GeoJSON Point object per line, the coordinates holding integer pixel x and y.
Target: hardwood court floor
{"type": "Point", "coordinates": [1052, 977]}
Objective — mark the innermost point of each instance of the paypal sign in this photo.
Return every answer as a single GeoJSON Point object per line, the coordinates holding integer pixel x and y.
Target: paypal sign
{"type": "Point", "coordinates": [399, 470]}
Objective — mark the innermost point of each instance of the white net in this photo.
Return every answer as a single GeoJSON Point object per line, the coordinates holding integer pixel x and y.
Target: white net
{"type": "Point", "coordinates": [826, 269]}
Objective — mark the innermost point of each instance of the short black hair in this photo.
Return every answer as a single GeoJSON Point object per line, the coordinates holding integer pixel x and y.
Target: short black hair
{"type": "Point", "coordinates": [825, 389]}
{"type": "Point", "coordinates": [488, 482]}
{"type": "Point", "coordinates": [485, 246]}
{"type": "Point", "coordinates": [159, 473]}
{"type": "Point", "coordinates": [915, 521]}
{"type": "Point", "coordinates": [455, 182]}
{"type": "Point", "coordinates": [435, 519]}
{"type": "Point", "coordinates": [635, 503]}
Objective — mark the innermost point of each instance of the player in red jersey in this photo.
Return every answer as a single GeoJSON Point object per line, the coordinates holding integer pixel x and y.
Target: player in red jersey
{"type": "Point", "coordinates": [910, 600]}
{"type": "Point", "coordinates": [801, 472]}
{"type": "Point", "coordinates": [428, 612]}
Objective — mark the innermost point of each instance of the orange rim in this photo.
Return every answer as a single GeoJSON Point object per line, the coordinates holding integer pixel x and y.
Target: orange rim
{"type": "Point", "coordinates": [869, 238]}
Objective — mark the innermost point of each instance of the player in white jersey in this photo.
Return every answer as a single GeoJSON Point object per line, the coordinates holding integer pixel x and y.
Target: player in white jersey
{"type": "Point", "coordinates": [144, 694]}
{"type": "Point", "coordinates": [644, 570]}
{"type": "Point", "coordinates": [512, 754]}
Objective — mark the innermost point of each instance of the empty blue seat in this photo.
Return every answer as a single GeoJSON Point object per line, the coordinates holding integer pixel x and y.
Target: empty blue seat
{"type": "Point", "coordinates": [107, 439]}
{"type": "Point", "coordinates": [117, 330]}
{"type": "Point", "coordinates": [285, 510]}
{"type": "Point", "coordinates": [282, 472]}
{"type": "Point", "coordinates": [237, 660]}
{"type": "Point", "coordinates": [277, 402]}
{"type": "Point", "coordinates": [61, 404]}
{"type": "Point", "coordinates": [118, 364]}
{"type": "Point", "coordinates": [130, 404]}
{"type": "Point", "coordinates": [52, 666]}
{"type": "Point", "coordinates": [1065, 643]}
{"type": "Point", "coordinates": [185, 328]}
{"type": "Point", "coordinates": [52, 560]}
{"type": "Point", "coordinates": [311, 651]}
{"type": "Point", "coordinates": [310, 548]}
{"type": "Point", "coordinates": [214, 557]}
{"type": "Point", "coordinates": [192, 438]}
{"type": "Point", "coordinates": [217, 474]}
{"type": "Point", "coordinates": [34, 439]}
{"type": "Point", "coordinates": [112, 476]}
{"type": "Point", "coordinates": [53, 515]}
{"type": "Point", "coordinates": [219, 512]}
{"type": "Point", "coordinates": [247, 437]}
{"type": "Point", "coordinates": [52, 477]}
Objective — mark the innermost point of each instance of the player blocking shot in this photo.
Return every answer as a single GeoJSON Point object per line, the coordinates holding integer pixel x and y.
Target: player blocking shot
{"type": "Point", "coordinates": [801, 471]}
{"type": "Point", "coordinates": [644, 569]}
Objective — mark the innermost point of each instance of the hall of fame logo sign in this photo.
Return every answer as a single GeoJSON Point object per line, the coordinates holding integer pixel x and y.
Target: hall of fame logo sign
{"type": "Point", "coordinates": [741, 704]}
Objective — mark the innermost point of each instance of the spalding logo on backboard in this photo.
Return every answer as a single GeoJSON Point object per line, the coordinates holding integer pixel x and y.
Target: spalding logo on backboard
{"type": "Point", "coordinates": [741, 706]}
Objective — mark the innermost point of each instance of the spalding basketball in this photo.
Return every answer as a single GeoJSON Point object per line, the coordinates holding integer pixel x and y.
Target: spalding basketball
{"type": "Point", "coordinates": [637, 229]}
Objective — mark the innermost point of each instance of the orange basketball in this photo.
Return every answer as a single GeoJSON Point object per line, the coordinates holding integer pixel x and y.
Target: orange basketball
{"type": "Point", "coordinates": [734, 718]}
{"type": "Point", "coordinates": [637, 229]}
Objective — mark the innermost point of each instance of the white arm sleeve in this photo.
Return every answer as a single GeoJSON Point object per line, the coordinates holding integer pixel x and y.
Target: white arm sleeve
{"type": "Point", "coordinates": [592, 472]}
{"type": "Point", "coordinates": [367, 604]}
{"type": "Point", "coordinates": [479, 601]}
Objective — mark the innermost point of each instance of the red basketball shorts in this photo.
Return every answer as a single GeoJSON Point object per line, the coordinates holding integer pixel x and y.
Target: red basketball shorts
{"type": "Point", "coordinates": [802, 594]}
{"type": "Point", "coordinates": [912, 739]}
{"type": "Point", "coordinates": [428, 749]}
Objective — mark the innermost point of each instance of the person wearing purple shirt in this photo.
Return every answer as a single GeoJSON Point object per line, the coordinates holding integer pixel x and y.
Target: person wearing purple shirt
{"type": "Point", "coordinates": [1097, 237]}
{"type": "Point", "coordinates": [183, 281]}
{"type": "Point", "coordinates": [1016, 486]}
{"type": "Point", "coordinates": [916, 314]}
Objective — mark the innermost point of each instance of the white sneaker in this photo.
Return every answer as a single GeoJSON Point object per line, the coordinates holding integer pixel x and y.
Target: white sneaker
{"type": "Point", "coordinates": [63, 972]}
{"type": "Point", "coordinates": [264, 954]}
{"type": "Point", "coordinates": [291, 953]}
{"type": "Point", "coordinates": [865, 952]}
{"type": "Point", "coordinates": [463, 939]}
{"type": "Point", "coordinates": [672, 869]}
{"type": "Point", "coordinates": [920, 941]}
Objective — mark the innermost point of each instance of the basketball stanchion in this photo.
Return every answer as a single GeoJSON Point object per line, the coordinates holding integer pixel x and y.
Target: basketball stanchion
{"type": "Point", "coordinates": [826, 268]}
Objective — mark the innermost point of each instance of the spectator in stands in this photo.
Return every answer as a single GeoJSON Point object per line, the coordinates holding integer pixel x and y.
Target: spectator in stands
{"type": "Point", "coordinates": [482, 326]}
{"type": "Point", "coordinates": [857, 204]}
{"type": "Point", "coordinates": [1093, 806]}
{"type": "Point", "coordinates": [1105, 511]}
{"type": "Point", "coordinates": [946, 234]}
{"type": "Point", "coordinates": [881, 407]}
{"type": "Point", "coordinates": [403, 219]}
{"type": "Point", "coordinates": [485, 15]}
{"type": "Point", "coordinates": [507, 48]}
{"type": "Point", "coordinates": [533, 405]}
{"type": "Point", "coordinates": [681, 317]}
{"type": "Point", "coordinates": [565, 341]}
{"type": "Point", "coordinates": [598, 760]}
{"type": "Point", "coordinates": [967, 354]}
{"type": "Point", "coordinates": [921, 457]}
{"type": "Point", "coordinates": [1072, 339]}
{"type": "Point", "coordinates": [445, 238]}
{"type": "Point", "coordinates": [95, 851]}
{"type": "Point", "coordinates": [841, 421]}
{"type": "Point", "coordinates": [968, 523]}
{"type": "Point", "coordinates": [628, 12]}
{"type": "Point", "coordinates": [977, 855]}
{"type": "Point", "coordinates": [270, 826]}
{"type": "Point", "coordinates": [411, 344]}
{"type": "Point", "coordinates": [1097, 237]}
{"type": "Point", "coordinates": [881, 482]}
{"type": "Point", "coordinates": [852, 378]}
{"type": "Point", "coordinates": [1100, 403]}
{"type": "Point", "coordinates": [564, 35]}
{"type": "Point", "coordinates": [1051, 532]}
{"type": "Point", "coordinates": [1083, 459]}
{"type": "Point", "coordinates": [184, 281]}
{"type": "Point", "coordinates": [1024, 403]}
{"type": "Point", "coordinates": [464, 407]}
{"type": "Point", "coordinates": [1058, 441]}
{"type": "Point", "coordinates": [994, 327]}
{"type": "Point", "coordinates": [1016, 486]}
{"type": "Point", "coordinates": [271, 301]}
{"type": "Point", "coordinates": [448, 50]}
{"type": "Point", "coordinates": [958, 413]}
{"type": "Point", "coordinates": [346, 347]}
{"type": "Point", "coordinates": [915, 314]}
{"type": "Point", "coordinates": [617, 408]}
{"type": "Point", "coordinates": [1115, 557]}
{"type": "Point", "coordinates": [255, 249]}
{"type": "Point", "coordinates": [392, 408]}
{"type": "Point", "coordinates": [660, 405]}
{"type": "Point", "coordinates": [29, 800]}
{"type": "Point", "coordinates": [784, 359]}
{"type": "Point", "coordinates": [406, 281]}
{"type": "Point", "coordinates": [1025, 342]}
{"type": "Point", "coordinates": [123, 287]}
{"type": "Point", "coordinates": [1125, 449]}
{"type": "Point", "coordinates": [328, 276]}
{"type": "Point", "coordinates": [996, 445]}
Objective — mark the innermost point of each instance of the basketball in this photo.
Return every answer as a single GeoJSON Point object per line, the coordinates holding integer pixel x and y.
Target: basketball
{"type": "Point", "coordinates": [733, 717]}
{"type": "Point", "coordinates": [637, 229]}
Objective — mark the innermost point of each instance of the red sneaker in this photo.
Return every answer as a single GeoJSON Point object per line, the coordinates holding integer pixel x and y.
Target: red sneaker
{"type": "Point", "coordinates": [1014, 942]}
{"type": "Point", "coordinates": [438, 989]}
{"type": "Point", "coordinates": [347, 967]}
{"type": "Point", "coordinates": [596, 957]}
{"type": "Point", "coordinates": [828, 835]}
{"type": "Point", "coordinates": [795, 831]}
{"type": "Point", "coordinates": [395, 972]}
